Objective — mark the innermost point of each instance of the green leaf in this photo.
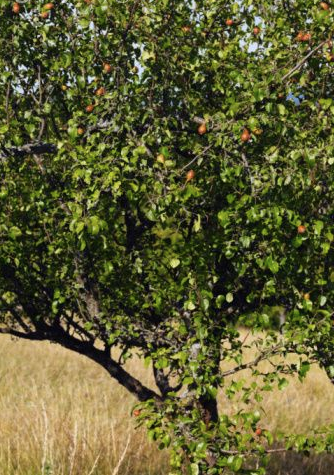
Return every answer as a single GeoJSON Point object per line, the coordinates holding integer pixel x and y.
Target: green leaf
{"type": "Point", "coordinates": [197, 224]}
{"type": "Point", "coordinates": [146, 55]}
{"type": "Point", "coordinates": [175, 262]}
{"type": "Point", "coordinates": [304, 369]}
{"type": "Point", "coordinates": [281, 109]}
{"type": "Point", "coordinates": [224, 218]}
{"type": "Point", "coordinates": [194, 468]}
{"type": "Point", "coordinates": [323, 300]}
{"type": "Point", "coordinates": [229, 297]}
{"type": "Point", "coordinates": [237, 463]}
{"type": "Point", "coordinates": [14, 232]}
{"type": "Point", "coordinates": [282, 383]}
{"type": "Point", "coordinates": [318, 227]}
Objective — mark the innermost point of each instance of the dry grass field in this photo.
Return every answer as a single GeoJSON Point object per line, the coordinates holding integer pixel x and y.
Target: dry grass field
{"type": "Point", "coordinates": [62, 415]}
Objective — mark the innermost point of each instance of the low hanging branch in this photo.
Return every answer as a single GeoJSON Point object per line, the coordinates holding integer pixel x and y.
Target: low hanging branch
{"type": "Point", "coordinates": [58, 335]}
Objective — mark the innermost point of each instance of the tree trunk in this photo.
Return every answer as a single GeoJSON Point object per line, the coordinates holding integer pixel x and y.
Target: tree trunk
{"type": "Point", "coordinates": [209, 410]}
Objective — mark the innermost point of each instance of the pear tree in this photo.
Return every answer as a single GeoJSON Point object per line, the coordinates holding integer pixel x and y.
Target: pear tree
{"type": "Point", "coordinates": [166, 177]}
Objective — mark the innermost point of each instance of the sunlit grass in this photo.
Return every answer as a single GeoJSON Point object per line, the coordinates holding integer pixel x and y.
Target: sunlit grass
{"type": "Point", "coordinates": [61, 414]}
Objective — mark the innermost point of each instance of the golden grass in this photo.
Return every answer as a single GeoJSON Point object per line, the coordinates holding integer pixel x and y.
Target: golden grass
{"type": "Point", "coordinates": [62, 415]}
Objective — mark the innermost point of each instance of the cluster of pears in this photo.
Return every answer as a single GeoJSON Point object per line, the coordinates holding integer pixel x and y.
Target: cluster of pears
{"type": "Point", "coordinates": [16, 8]}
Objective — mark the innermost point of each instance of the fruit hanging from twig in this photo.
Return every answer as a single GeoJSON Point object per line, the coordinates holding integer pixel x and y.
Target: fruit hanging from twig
{"type": "Point", "coordinates": [48, 6]}
{"type": "Point", "coordinates": [202, 129]}
{"type": "Point", "coordinates": [100, 91]}
{"type": "Point", "coordinates": [245, 136]}
{"type": "Point", "coordinates": [160, 158]}
{"type": "Point", "coordinates": [90, 108]}
{"type": "Point", "coordinates": [106, 68]}
{"type": "Point", "coordinates": [324, 5]}
{"type": "Point", "coordinates": [190, 175]}
{"type": "Point", "coordinates": [16, 7]}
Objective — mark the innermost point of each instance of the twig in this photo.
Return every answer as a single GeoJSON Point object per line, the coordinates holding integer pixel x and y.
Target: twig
{"type": "Point", "coordinates": [302, 61]}
{"type": "Point", "coordinates": [247, 167]}
{"type": "Point", "coordinates": [40, 85]}
{"type": "Point", "coordinates": [244, 340]}
{"type": "Point", "coordinates": [195, 158]}
{"type": "Point", "coordinates": [7, 100]}
{"type": "Point", "coordinates": [199, 120]}
{"type": "Point", "coordinates": [252, 363]}
{"type": "Point", "coordinates": [251, 452]}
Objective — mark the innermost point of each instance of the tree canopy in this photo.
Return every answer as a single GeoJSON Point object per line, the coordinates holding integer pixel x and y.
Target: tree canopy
{"type": "Point", "coordinates": [166, 176]}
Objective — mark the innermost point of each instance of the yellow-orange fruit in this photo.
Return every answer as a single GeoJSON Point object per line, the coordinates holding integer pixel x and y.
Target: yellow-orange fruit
{"type": "Point", "coordinates": [106, 68]}
{"type": "Point", "coordinates": [245, 136]}
{"type": "Point", "coordinates": [16, 7]}
{"type": "Point", "coordinates": [202, 129]}
{"type": "Point", "coordinates": [100, 91]}
{"type": "Point", "coordinates": [190, 175]}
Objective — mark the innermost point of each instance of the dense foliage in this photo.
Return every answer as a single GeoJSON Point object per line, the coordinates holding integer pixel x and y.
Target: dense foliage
{"type": "Point", "coordinates": [166, 175]}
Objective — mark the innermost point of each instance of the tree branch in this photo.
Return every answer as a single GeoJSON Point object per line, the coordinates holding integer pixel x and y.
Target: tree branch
{"type": "Point", "coordinates": [35, 336]}
{"type": "Point", "coordinates": [303, 61]}
{"type": "Point", "coordinates": [161, 381]}
{"type": "Point", "coordinates": [37, 148]}
{"type": "Point", "coordinates": [262, 356]}
{"type": "Point", "coordinates": [252, 452]}
{"type": "Point", "coordinates": [195, 158]}
{"type": "Point", "coordinates": [115, 370]}
{"type": "Point", "coordinates": [40, 148]}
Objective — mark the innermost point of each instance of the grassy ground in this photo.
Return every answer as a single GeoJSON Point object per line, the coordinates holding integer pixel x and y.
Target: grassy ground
{"type": "Point", "coordinates": [62, 415]}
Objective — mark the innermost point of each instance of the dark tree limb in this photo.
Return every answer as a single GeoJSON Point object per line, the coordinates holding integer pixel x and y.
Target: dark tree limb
{"type": "Point", "coordinates": [37, 148]}
{"type": "Point", "coordinates": [161, 381]}
{"type": "Point", "coordinates": [114, 369]}
{"type": "Point", "coordinates": [41, 148]}
{"type": "Point", "coordinates": [34, 336]}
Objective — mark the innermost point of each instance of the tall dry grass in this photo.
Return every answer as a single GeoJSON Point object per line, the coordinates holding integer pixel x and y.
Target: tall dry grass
{"type": "Point", "coordinates": [62, 415]}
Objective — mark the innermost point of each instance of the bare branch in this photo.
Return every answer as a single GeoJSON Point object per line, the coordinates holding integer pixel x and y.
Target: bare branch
{"type": "Point", "coordinates": [252, 452]}
{"type": "Point", "coordinates": [195, 158]}
{"type": "Point", "coordinates": [262, 356]}
{"type": "Point", "coordinates": [303, 61]}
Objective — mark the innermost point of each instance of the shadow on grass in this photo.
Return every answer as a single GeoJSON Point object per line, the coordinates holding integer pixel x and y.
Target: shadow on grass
{"type": "Point", "coordinates": [291, 463]}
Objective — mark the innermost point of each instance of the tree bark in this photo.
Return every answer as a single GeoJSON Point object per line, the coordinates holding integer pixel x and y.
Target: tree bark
{"type": "Point", "coordinates": [86, 348]}
{"type": "Point", "coordinates": [209, 410]}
